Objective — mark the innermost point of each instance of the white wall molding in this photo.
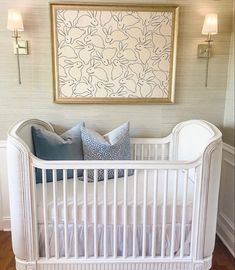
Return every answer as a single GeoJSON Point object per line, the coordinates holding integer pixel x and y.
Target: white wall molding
{"type": "Point", "coordinates": [4, 198]}
{"type": "Point", "coordinates": [228, 148]}
{"type": "Point", "coordinates": [3, 144]}
{"type": "Point", "coordinates": [6, 223]}
{"type": "Point", "coordinates": [225, 222]}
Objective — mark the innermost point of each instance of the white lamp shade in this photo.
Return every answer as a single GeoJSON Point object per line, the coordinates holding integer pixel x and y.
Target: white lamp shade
{"type": "Point", "coordinates": [14, 21]}
{"type": "Point", "coordinates": [210, 25]}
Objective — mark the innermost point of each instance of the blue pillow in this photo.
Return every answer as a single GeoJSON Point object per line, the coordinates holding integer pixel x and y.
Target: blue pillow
{"type": "Point", "coordinates": [50, 146]}
{"type": "Point", "coordinates": [112, 146]}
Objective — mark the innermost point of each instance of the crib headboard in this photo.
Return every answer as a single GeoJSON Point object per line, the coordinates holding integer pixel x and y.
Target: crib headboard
{"type": "Point", "coordinates": [22, 131]}
{"type": "Point", "coordinates": [191, 137]}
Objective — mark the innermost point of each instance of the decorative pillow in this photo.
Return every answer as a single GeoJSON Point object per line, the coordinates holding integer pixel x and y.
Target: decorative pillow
{"type": "Point", "coordinates": [113, 146]}
{"type": "Point", "coordinates": [50, 146]}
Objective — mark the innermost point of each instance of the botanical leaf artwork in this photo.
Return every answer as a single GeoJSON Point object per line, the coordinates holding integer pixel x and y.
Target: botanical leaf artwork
{"type": "Point", "coordinates": [113, 54]}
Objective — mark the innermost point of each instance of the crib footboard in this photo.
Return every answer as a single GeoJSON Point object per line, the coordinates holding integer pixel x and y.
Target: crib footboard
{"type": "Point", "coordinates": [116, 214]}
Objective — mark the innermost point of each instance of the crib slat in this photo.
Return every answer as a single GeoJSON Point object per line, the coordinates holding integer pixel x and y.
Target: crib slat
{"type": "Point", "coordinates": [45, 215]}
{"type": "Point", "coordinates": [184, 214]}
{"type": "Point", "coordinates": [85, 212]}
{"type": "Point", "coordinates": [95, 213]}
{"type": "Point", "coordinates": [142, 151]}
{"type": "Point", "coordinates": [155, 196]}
{"type": "Point", "coordinates": [105, 212]}
{"type": "Point", "coordinates": [65, 212]}
{"type": "Point", "coordinates": [75, 213]}
{"type": "Point", "coordinates": [134, 214]}
{"type": "Point", "coordinates": [115, 214]}
{"type": "Point", "coordinates": [149, 152]}
{"type": "Point", "coordinates": [164, 214]}
{"type": "Point", "coordinates": [144, 212]}
{"type": "Point", "coordinates": [125, 214]}
{"type": "Point", "coordinates": [35, 211]}
{"type": "Point", "coordinates": [55, 213]}
{"type": "Point", "coordinates": [135, 153]}
{"type": "Point", "coordinates": [174, 213]}
{"type": "Point", "coordinates": [156, 152]}
{"type": "Point", "coordinates": [163, 152]}
{"type": "Point", "coordinates": [195, 192]}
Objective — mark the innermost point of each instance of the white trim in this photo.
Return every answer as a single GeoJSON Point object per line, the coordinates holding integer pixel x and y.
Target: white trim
{"type": "Point", "coordinates": [229, 148]}
{"type": "Point", "coordinates": [3, 144]}
{"type": "Point", "coordinates": [225, 226]}
{"type": "Point", "coordinates": [6, 224]}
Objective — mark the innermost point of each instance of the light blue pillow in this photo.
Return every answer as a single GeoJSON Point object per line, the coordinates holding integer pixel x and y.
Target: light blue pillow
{"type": "Point", "coordinates": [50, 146]}
{"type": "Point", "coordinates": [113, 146]}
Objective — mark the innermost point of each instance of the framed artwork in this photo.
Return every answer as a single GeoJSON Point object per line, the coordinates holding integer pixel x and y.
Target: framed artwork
{"type": "Point", "coordinates": [110, 53]}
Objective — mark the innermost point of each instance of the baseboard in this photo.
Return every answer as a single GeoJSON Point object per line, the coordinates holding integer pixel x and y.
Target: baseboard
{"type": "Point", "coordinates": [6, 224]}
{"type": "Point", "coordinates": [225, 231]}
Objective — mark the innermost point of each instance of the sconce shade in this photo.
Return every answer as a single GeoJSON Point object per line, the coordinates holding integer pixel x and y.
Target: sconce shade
{"type": "Point", "coordinates": [210, 25]}
{"type": "Point", "coordinates": [14, 22]}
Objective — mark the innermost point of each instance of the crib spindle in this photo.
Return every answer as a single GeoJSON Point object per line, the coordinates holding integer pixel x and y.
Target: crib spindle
{"type": "Point", "coordinates": [134, 214]}
{"type": "Point", "coordinates": [195, 192]}
{"type": "Point", "coordinates": [35, 211]}
{"type": "Point", "coordinates": [55, 213]}
{"type": "Point", "coordinates": [75, 215]}
{"type": "Point", "coordinates": [142, 151]}
{"type": "Point", "coordinates": [155, 196]}
{"type": "Point", "coordinates": [95, 214]}
{"type": "Point", "coordinates": [125, 214]}
{"type": "Point", "coordinates": [115, 214]}
{"type": "Point", "coordinates": [184, 214]}
{"type": "Point", "coordinates": [45, 215]}
{"type": "Point", "coordinates": [144, 212]}
{"type": "Point", "coordinates": [164, 214]}
{"type": "Point", "coordinates": [135, 153]}
{"type": "Point", "coordinates": [174, 213]}
{"type": "Point", "coordinates": [163, 152]}
{"type": "Point", "coordinates": [105, 212]}
{"type": "Point", "coordinates": [156, 152]}
{"type": "Point", "coordinates": [65, 213]}
{"type": "Point", "coordinates": [85, 212]}
{"type": "Point", "coordinates": [149, 151]}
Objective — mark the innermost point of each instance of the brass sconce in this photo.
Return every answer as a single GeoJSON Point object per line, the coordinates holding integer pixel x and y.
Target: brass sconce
{"type": "Point", "coordinates": [15, 24]}
{"type": "Point", "coordinates": [210, 27]}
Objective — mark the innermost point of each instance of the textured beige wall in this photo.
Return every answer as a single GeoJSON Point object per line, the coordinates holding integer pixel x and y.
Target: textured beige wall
{"type": "Point", "coordinates": [34, 97]}
{"type": "Point", "coordinates": [228, 128]}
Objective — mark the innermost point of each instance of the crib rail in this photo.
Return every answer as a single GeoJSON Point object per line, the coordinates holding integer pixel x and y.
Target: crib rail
{"type": "Point", "coordinates": [144, 210]}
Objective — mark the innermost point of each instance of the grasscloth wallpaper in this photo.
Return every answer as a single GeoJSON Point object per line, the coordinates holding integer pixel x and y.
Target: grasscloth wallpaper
{"type": "Point", "coordinates": [34, 98]}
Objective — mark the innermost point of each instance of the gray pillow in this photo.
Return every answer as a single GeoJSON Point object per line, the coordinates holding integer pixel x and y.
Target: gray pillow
{"type": "Point", "coordinates": [113, 146]}
{"type": "Point", "coordinates": [50, 146]}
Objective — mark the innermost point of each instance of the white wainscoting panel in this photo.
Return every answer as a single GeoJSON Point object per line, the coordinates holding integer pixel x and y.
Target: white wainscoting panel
{"type": "Point", "coordinates": [225, 228]}
{"type": "Point", "coordinates": [225, 223]}
{"type": "Point", "coordinates": [4, 194]}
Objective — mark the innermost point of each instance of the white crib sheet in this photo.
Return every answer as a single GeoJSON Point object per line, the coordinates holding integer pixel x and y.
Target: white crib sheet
{"type": "Point", "coordinates": [109, 242]}
{"type": "Point", "coordinates": [110, 211]}
{"type": "Point", "coordinates": [120, 193]}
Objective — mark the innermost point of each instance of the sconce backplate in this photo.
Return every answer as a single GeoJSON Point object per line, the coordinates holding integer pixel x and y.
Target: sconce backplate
{"type": "Point", "coordinates": [23, 47]}
{"type": "Point", "coordinates": [203, 51]}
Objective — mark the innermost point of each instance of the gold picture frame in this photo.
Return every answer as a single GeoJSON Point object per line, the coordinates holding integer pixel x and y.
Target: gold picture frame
{"type": "Point", "coordinates": [111, 53]}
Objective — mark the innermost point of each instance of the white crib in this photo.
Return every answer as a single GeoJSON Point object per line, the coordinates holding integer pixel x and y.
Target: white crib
{"type": "Point", "coordinates": [161, 217]}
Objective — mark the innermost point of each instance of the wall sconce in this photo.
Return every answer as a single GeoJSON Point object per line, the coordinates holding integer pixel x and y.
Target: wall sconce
{"type": "Point", "coordinates": [210, 27]}
{"type": "Point", "coordinates": [15, 24]}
